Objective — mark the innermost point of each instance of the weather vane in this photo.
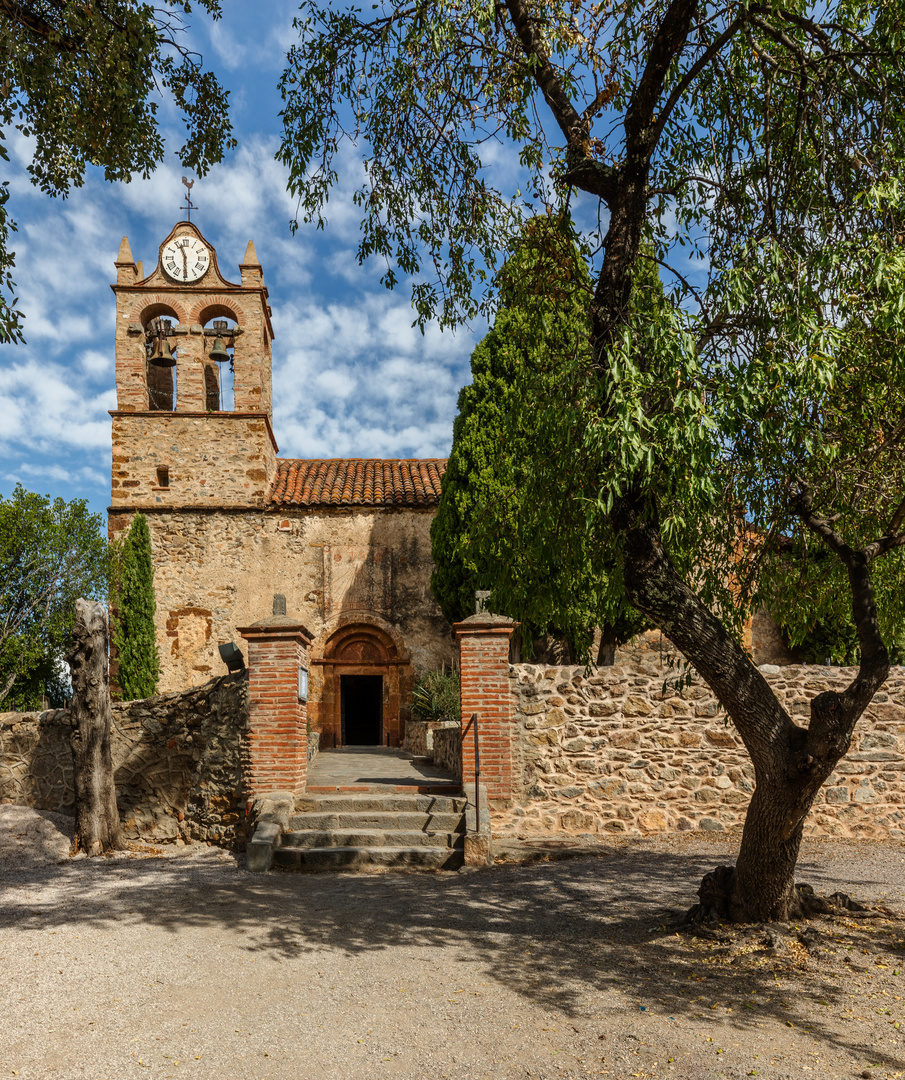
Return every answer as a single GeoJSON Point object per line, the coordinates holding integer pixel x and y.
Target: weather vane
{"type": "Point", "coordinates": [189, 205]}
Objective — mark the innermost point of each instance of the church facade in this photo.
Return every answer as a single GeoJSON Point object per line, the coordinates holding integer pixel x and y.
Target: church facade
{"type": "Point", "coordinates": [346, 541]}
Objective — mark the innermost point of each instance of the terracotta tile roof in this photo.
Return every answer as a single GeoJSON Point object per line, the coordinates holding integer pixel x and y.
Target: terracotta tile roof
{"type": "Point", "coordinates": [358, 482]}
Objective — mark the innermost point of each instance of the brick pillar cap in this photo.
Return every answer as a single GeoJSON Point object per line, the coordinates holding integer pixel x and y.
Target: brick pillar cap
{"type": "Point", "coordinates": [277, 626]}
{"type": "Point", "coordinates": [484, 621]}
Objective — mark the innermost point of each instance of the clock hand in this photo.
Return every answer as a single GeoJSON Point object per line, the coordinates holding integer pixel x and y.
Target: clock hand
{"type": "Point", "coordinates": [185, 264]}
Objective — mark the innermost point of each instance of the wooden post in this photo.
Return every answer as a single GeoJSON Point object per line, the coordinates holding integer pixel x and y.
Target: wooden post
{"type": "Point", "coordinates": [97, 818]}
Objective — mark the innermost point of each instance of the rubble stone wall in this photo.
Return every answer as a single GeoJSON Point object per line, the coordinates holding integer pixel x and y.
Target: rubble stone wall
{"type": "Point", "coordinates": [447, 749]}
{"type": "Point", "coordinates": [336, 567]}
{"type": "Point", "coordinates": [617, 752]}
{"type": "Point", "coordinates": [438, 740]}
{"type": "Point", "coordinates": [178, 761]}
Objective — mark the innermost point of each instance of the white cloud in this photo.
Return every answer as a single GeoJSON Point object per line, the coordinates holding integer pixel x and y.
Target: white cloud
{"type": "Point", "coordinates": [351, 375]}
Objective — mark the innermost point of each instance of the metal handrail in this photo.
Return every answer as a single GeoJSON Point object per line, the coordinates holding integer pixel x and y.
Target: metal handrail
{"type": "Point", "coordinates": [473, 722]}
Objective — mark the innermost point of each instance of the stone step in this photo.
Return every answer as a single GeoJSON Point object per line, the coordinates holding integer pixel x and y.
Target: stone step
{"type": "Point", "coordinates": [318, 838]}
{"type": "Point", "coordinates": [357, 858]}
{"type": "Point", "coordinates": [411, 803]}
{"type": "Point", "coordinates": [382, 821]}
{"type": "Point", "coordinates": [442, 787]}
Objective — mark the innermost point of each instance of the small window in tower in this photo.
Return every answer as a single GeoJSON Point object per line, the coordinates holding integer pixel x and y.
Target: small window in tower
{"type": "Point", "coordinates": [163, 476]}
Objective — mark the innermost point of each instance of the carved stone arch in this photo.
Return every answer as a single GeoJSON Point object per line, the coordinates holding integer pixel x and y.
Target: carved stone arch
{"type": "Point", "coordinates": [361, 644]}
{"type": "Point", "coordinates": [360, 649]}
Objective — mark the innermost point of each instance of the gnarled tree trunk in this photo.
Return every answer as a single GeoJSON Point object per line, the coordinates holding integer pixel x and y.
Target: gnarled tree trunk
{"type": "Point", "coordinates": [97, 817]}
{"type": "Point", "coordinates": [791, 763]}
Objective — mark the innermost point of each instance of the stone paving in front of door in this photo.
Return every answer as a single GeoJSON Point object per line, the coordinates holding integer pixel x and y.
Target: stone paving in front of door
{"type": "Point", "coordinates": [377, 769]}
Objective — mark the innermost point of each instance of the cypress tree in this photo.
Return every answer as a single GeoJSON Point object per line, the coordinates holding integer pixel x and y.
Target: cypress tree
{"type": "Point", "coordinates": [476, 536]}
{"type": "Point", "coordinates": [134, 636]}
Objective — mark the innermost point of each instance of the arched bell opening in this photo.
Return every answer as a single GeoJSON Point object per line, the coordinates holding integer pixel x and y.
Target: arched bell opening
{"type": "Point", "coordinates": [362, 684]}
{"type": "Point", "coordinates": [161, 334]}
{"type": "Point", "coordinates": [220, 332]}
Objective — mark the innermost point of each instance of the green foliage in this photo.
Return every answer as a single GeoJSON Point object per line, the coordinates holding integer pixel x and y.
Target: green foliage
{"type": "Point", "coordinates": [437, 696]}
{"type": "Point", "coordinates": [828, 640]}
{"type": "Point", "coordinates": [51, 553]}
{"type": "Point", "coordinates": [488, 533]}
{"type": "Point", "coordinates": [134, 635]}
{"type": "Point", "coordinates": [756, 149]}
{"type": "Point", "coordinates": [83, 81]}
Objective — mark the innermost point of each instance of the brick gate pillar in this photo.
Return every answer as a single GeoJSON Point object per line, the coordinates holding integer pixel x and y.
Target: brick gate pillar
{"type": "Point", "coordinates": [277, 744]}
{"type": "Point", "coordinates": [484, 666]}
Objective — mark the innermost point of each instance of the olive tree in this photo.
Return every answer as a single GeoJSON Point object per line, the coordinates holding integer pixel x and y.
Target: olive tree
{"type": "Point", "coordinates": [752, 151]}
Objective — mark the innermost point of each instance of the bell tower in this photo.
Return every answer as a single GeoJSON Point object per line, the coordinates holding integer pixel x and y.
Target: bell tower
{"type": "Point", "coordinates": [192, 426]}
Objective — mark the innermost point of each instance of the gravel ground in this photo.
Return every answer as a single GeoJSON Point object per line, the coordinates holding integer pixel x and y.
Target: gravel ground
{"type": "Point", "coordinates": [178, 964]}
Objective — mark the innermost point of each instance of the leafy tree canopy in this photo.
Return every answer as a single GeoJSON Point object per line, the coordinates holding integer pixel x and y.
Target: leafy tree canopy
{"type": "Point", "coordinates": [83, 81]}
{"type": "Point", "coordinates": [51, 553]}
{"type": "Point", "coordinates": [757, 147]}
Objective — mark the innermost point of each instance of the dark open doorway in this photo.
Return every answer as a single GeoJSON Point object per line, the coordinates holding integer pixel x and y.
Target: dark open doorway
{"type": "Point", "coordinates": [361, 699]}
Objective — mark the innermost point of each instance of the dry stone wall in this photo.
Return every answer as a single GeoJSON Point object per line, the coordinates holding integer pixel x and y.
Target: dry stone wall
{"type": "Point", "coordinates": [178, 761]}
{"type": "Point", "coordinates": [617, 752]}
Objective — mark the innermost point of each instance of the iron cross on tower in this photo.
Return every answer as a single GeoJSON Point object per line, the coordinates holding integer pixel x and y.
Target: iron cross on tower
{"type": "Point", "coordinates": [189, 205]}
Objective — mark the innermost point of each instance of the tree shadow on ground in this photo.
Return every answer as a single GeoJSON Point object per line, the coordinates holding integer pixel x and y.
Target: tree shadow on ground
{"type": "Point", "coordinates": [553, 932]}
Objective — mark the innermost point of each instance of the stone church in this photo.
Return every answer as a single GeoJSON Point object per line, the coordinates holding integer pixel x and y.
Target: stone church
{"type": "Point", "coordinates": [346, 541]}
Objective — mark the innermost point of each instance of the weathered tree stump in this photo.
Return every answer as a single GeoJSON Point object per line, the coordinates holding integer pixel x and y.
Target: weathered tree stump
{"type": "Point", "coordinates": [97, 818]}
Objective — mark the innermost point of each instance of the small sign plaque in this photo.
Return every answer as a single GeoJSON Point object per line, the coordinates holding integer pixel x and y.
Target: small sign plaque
{"type": "Point", "coordinates": [303, 684]}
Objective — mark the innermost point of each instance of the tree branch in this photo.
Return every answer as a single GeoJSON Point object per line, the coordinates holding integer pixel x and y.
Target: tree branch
{"type": "Point", "coordinates": [834, 715]}
{"type": "Point", "coordinates": [696, 69]}
{"type": "Point", "coordinates": [641, 132]}
{"type": "Point", "coordinates": [30, 20]}
{"type": "Point", "coordinates": [594, 177]}
{"type": "Point", "coordinates": [655, 587]}
{"type": "Point", "coordinates": [564, 112]}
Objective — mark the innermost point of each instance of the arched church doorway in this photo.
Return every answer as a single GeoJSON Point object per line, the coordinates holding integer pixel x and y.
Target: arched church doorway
{"type": "Point", "coordinates": [366, 680]}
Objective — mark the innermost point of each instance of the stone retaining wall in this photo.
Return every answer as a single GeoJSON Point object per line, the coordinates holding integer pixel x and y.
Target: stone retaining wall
{"type": "Point", "coordinates": [314, 745]}
{"type": "Point", "coordinates": [435, 739]}
{"type": "Point", "coordinates": [617, 752]}
{"type": "Point", "coordinates": [178, 761]}
{"type": "Point", "coordinates": [447, 749]}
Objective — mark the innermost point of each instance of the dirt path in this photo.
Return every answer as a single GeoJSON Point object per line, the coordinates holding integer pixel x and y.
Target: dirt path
{"type": "Point", "coordinates": [187, 967]}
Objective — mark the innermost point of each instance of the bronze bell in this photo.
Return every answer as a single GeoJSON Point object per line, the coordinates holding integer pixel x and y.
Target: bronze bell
{"type": "Point", "coordinates": [218, 352]}
{"type": "Point", "coordinates": [162, 355]}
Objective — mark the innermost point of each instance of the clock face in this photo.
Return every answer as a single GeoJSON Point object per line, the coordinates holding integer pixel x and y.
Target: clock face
{"type": "Point", "coordinates": [185, 259]}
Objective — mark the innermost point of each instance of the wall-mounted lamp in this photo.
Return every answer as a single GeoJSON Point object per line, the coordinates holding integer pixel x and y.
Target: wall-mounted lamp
{"type": "Point", "coordinates": [231, 655]}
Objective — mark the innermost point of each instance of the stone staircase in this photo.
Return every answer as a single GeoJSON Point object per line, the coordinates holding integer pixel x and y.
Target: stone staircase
{"type": "Point", "coordinates": [357, 831]}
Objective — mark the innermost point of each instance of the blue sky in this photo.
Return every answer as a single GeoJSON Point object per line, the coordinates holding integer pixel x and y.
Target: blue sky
{"type": "Point", "coordinates": [351, 375]}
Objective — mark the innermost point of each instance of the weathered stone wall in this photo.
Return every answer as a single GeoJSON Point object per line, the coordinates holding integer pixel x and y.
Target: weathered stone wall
{"type": "Point", "coordinates": [438, 740]}
{"type": "Point", "coordinates": [448, 750]}
{"type": "Point", "coordinates": [216, 571]}
{"type": "Point", "coordinates": [419, 735]}
{"type": "Point", "coordinates": [617, 752]}
{"type": "Point", "coordinates": [217, 460]}
{"type": "Point", "coordinates": [177, 758]}
{"type": "Point", "coordinates": [762, 639]}
{"type": "Point", "coordinates": [314, 745]}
